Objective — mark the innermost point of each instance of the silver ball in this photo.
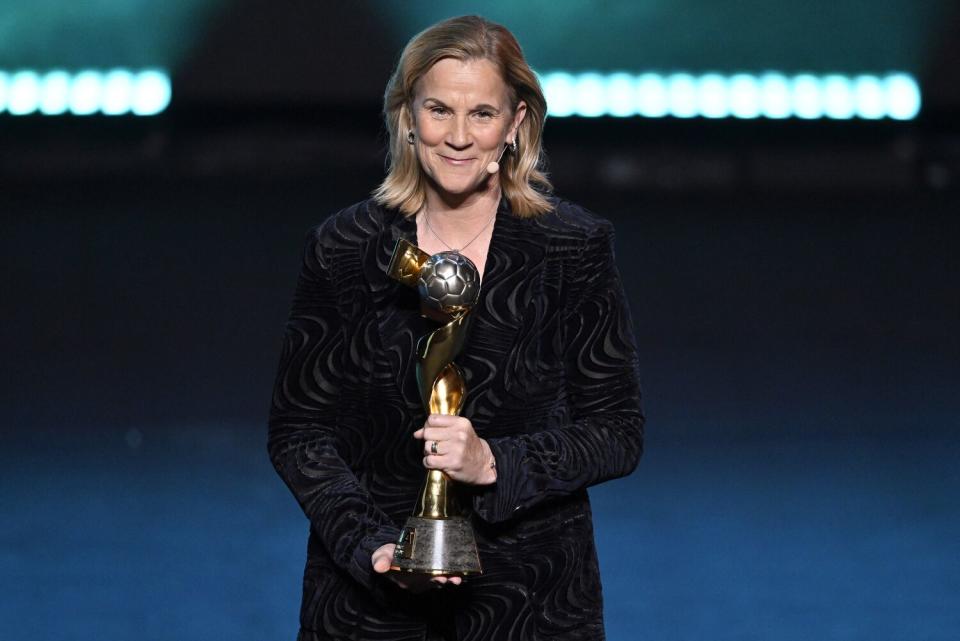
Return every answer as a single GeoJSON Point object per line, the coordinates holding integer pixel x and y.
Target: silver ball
{"type": "Point", "coordinates": [449, 282]}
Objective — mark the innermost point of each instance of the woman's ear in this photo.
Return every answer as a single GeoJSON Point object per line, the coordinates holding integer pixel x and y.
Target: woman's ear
{"type": "Point", "coordinates": [406, 119]}
{"type": "Point", "coordinates": [518, 115]}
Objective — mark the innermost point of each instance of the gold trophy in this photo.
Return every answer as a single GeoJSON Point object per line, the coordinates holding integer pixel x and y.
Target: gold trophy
{"type": "Point", "coordinates": [438, 538]}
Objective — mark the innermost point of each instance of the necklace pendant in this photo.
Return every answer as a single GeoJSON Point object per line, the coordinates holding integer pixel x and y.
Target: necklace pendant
{"type": "Point", "coordinates": [455, 250]}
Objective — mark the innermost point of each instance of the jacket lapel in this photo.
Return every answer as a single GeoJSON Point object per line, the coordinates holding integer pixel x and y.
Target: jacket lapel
{"type": "Point", "coordinates": [504, 319]}
{"type": "Point", "coordinates": [397, 307]}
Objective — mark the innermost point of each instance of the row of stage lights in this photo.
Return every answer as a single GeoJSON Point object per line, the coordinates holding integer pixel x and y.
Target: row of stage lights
{"type": "Point", "coordinates": [712, 95]}
{"type": "Point", "coordinates": [680, 95]}
{"type": "Point", "coordinates": [116, 92]}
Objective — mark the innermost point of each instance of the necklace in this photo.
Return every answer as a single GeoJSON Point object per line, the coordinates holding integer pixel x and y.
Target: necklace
{"type": "Point", "coordinates": [426, 217]}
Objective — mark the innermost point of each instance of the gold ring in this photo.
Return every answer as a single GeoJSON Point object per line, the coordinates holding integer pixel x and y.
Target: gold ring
{"type": "Point", "coordinates": [433, 447]}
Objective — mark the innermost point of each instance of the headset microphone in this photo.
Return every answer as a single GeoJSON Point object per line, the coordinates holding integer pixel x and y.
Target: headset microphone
{"type": "Point", "coordinates": [494, 166]}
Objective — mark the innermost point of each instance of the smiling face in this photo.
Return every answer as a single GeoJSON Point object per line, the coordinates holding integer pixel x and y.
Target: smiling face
{"type": "Point", "coordinates": [462, 120]}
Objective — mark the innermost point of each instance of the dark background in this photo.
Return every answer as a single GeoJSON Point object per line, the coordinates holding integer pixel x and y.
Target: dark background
{"type": "Point", "coordinates": [794, 287]}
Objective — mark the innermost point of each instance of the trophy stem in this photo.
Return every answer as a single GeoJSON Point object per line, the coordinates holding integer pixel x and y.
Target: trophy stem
{"type": "Point", "coordinates": [437, 498]}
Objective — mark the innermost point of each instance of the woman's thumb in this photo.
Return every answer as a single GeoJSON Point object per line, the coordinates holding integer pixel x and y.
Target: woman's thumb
{"type": "Point", "coordinates": [382, 557]}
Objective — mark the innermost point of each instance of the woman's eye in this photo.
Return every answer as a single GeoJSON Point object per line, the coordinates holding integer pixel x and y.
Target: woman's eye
{"type": "Point", "coordinates": [439, 111]}
{"type": "Point", "coordinates": [484, 114]}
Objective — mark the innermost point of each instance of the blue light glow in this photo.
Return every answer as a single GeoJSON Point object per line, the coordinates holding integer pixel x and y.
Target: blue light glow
{"type": "Point", "coordinates": [621, 89]}
{"type": "Point", "coordinates": [58, 92]}
{"type": "Point", "coordinates": [85, 93]}
{"type": "Point", "coordinates": [590, 99]}
{"type": "Point", "coordinates": [151, 93]}
{"type": "Point", "coordinates": [23, 93]}
{"type": "Point", "coordinates": [775, 96]}
{"type": "Point", "coordinates": [838, 98]}
{"type": "Point", "coordinates": [653, 100]}
{"type": "Point", "coordinates": [745, 98]}
{"type": "Point", "coordinates": [902, 96]}
{"type": "Point", "coordinates": [55, 93]}
{"type": "Point", "coordinates": [682, 95]}
{"type": "Point", "coordinates": [869, 97]}
{"type": "Point", "coordinates": [558, 88]}
{"type": "Point", "coordinates": [712, 95]}
{"type": "Point", "coordinates": [769, 95]}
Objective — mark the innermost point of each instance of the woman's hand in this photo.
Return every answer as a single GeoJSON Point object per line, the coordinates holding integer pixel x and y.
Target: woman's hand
{"type": "Point", "coordinates": [451, 445]}
{"type": "Point", "coordinates": [382, 559]}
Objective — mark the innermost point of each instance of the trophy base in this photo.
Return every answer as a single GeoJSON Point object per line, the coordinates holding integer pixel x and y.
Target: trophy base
{"type": "Point", "coordinates": [439, 547]}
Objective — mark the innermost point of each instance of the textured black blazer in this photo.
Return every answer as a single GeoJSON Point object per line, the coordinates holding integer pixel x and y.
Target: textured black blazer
{"type": "Point", "coordinates": [551, 371]}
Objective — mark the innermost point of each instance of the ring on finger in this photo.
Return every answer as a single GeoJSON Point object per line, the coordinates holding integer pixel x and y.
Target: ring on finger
{"type": "Point", "coordinates": [433, 447]}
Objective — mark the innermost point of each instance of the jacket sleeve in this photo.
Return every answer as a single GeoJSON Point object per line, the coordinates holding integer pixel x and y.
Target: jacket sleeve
{"type": "Point", "coordinates": [603, 438]}
{"type": "Point", "coordinates": [303, 441]}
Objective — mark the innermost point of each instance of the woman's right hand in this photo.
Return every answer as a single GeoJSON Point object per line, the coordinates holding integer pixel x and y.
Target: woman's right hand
{"type": "Point", "coordinates": [382, 560]}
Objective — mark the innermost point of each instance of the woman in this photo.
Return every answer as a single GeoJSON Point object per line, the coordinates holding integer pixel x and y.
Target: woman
{"type": "Point", "coordinates": [549, 363]}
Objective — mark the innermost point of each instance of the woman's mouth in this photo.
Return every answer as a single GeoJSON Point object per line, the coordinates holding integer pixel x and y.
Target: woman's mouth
{"type": "Point", "coordinates": [457, 162]}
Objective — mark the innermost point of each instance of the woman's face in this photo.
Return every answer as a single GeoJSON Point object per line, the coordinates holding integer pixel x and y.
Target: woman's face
{"type": "Point", "coordinates": [462, 120]}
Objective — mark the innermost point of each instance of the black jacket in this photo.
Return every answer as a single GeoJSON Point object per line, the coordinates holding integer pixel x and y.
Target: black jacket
{"type": "Point", "coordinates": [551, 371]}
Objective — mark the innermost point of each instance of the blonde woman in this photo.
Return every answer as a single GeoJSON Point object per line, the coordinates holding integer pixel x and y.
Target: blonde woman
{"type": "Point", "coordinates": [550, 365]}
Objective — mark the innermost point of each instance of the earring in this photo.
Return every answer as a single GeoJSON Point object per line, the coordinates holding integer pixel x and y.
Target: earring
{"type": "Point", "coordinates": [513, 146]}
{"type": "Point", "coordinates": [410, 136]}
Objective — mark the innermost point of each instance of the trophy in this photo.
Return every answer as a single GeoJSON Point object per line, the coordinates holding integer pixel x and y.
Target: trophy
{"type": "Point", "coordinates": [438, 538]}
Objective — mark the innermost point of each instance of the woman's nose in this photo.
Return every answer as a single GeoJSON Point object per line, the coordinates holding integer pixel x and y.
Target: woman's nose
{"type": "Point", "coordinates": [459, 134]}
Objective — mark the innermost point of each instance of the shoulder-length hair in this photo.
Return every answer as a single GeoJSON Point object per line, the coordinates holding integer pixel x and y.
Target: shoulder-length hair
{"type": "Point", "coordinates": [522, 178]}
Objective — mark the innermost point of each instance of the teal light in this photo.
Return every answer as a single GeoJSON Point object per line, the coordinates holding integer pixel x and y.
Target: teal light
{"type": "Point", "coordinates": [559, 88]}
{"type": "Point", "coordinates": [838, 97]}
{"type": "Point", "coordinates": [902, 96]}
{"type": "Point", "coordinates": [713, 96]}
{"type": "Point", "coordinates": [869, 97]}
{"type": "Point", "coordinates": [85, 91]}
{"type": "Point", "coordinates": [23, 93]}
{"type": "Point", "coordinates": [621, 91]}
{"type": "Point", "coordinates": [775, 96]}
{"type": "Point", "coordinates": [55, 96]}
{"type": "Point", "coordinates": [151, 93]}
{"type": "Point", "coordinates": [591, 95]}
{"type": "Point", "coordinates": [807, 97]}
{"type": "Point", "coordinates": [653, 100]}
{"type": "Point", "coordinates": [57, 92]}
{"type": "Point", "coordinates": [745, 96]}
{"type": "Point", "coordinates": [769, 95]}
{"type": "Point", "coordinates": [682, 95]}
{"type": "Point", "coordinates": [118, 86]}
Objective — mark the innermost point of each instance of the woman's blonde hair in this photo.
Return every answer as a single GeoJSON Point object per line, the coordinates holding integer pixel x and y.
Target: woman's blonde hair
{"type": "Point", "coordinates": [522, 178]}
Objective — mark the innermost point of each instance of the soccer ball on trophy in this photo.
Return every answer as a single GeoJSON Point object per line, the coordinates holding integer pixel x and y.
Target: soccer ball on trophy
{"type": "Point", "coordinates": [449, 283]}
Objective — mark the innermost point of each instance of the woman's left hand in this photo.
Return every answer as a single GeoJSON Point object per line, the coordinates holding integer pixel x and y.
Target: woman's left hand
{"type": "Point", "coordinates": [459, 452]}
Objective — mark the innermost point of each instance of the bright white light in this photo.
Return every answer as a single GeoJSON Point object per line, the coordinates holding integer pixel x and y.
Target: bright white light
{"type": "Point", "coordinates": [774, 96]}
{"type": "Point", "coordinates": [56, 92]}
{"type": "Point", "coordinates": [85, 93]}
{"type": "Point", "coordinates": [682, 93]}
{"type": "Point", "coordinates": [903, 97]}
{"type": "Point", "coordinates": [590, 95]}
{"type": "Point", "coordinates": [621, 90]}
{"type": "Point", "coordinates": [869, 97]}
{"type": "Point", "coordinates": [807, 97]}
{"type": "Point", "coordinates": [712, 96]}
{"type": "Point", "coordinates": [117, 92]}
{"type": "Point", "coordinates": [23, 93]}
{"type": "Point", "coordinates": [653, 98]}
{"type": "Point", "coordinates": [838, 99]}
{"type": "Point", "coordinates": [151, 93]}
{"type": "Point", "coordinates": [742, 95]}
{"type": "Point", "coordinates": [558, 89]}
